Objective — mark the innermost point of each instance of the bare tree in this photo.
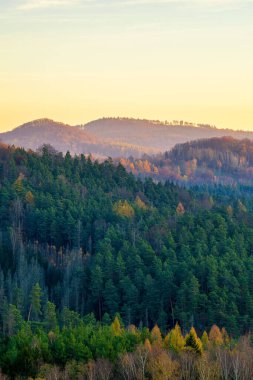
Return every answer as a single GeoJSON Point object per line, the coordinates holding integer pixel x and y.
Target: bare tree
{"type": "Point", "coordinates": [90, 370]}
{"type": "Point", "coordinates": [103, 369]}
{"type": "Point", "coordinates": [207, 368]}
{"type": "Point", "coordinates": [2, 376]}
{"type": "Point", "coordinates": [241, 360]}
{"type": "Point", "coordinates": [132, 366]}
{"type": "Point", "coordinates": [161, 366]}
{"type": "Point", "coordinates": [224, 360]}
{"type": "Point", "coordinates": [188, 366]}
{"type": "Point", "coordinates": [127, 366]}
{"type": "Point", "coordinates": [141, 360]}
{"type": "Point", "coordinates": [49, 372]}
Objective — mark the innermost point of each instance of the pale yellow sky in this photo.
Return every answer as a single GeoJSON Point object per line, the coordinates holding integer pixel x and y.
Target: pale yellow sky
{"type": "Point", "coordinates": [74, 61]}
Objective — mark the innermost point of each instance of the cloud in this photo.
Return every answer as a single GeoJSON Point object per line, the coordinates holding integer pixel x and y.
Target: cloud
{"type": "Point", "coordinates": [36, 4]}
{"type": "Point", "coordinates": [185, 2]}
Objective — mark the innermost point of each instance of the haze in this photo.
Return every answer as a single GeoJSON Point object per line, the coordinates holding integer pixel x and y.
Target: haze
{"type": "Point", "coordinates": [76, 61]}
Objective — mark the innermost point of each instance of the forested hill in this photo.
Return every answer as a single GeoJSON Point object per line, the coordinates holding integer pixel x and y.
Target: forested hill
{"type": "Point", "coordinates": [156, 134]}
{"type": "Point", "coordinates": [218, 160]}
{"type": "Point", "coordinates": [64, 137]}
{"type": "Point", "coordinates": [95, 239]}
{"type": "Point", "coordinates": [113, 137]}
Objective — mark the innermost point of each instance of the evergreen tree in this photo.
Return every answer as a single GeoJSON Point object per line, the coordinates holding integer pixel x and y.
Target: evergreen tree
{"type": "Point", "coordinates": [50, 318]}
{"type": "Point", "coordinates": [35, 302]}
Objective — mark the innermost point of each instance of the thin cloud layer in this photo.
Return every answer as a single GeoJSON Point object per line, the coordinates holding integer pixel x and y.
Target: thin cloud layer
{"type": "Point", "coordinates": [36, 4]}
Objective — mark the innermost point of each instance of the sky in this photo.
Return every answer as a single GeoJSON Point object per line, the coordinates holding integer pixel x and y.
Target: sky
{"type": "Point", "coordinates": [78, 60]}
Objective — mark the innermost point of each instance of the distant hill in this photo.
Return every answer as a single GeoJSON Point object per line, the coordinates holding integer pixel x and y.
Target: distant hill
{"type": "Point", "coordinates": [154, 134]}
{"type": "Point", "coordinates": [114, 137]}
{"type": "Point", "coordinates": [65, 138]}
{"type": "Point", "coordinates": [44, 131]}
{"type": "Point", "coordinates": [217, 160]}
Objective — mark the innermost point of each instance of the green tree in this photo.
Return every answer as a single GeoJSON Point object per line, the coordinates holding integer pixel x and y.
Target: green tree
{"type": "Point", "coordinates": [35, 302]}
{"type": "Point", "coordinates": [50, 318]}
{"type": "Point", "coordinates": [111, 297]}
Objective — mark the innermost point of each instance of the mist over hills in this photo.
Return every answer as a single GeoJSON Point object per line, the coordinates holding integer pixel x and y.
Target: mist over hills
{"type": "Point", "coordinates": [114, 137]}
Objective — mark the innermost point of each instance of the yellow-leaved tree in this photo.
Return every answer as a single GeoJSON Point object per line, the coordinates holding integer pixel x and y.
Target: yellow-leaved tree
{"type": "Point", "coordinates": [156, 336]}
{"type": "Point", "coordinates": [29, 198]}
{"type": "Point", "coordinates": [123, 208]}
{"type": "Point", "coordinates": [193, 343]}
{"type": "Point", "coordinates": [175, 340]}
{"type": "Point", "coordinates": [205, 340]}
{"type": "Point", "coordinates": [139, 203]}
{"type": "Point", "coordinates": [18, 184]}
{"type": "Point", "coordinates": [116, 327]}
{"type": "Point", "coordinates": [215, 336]}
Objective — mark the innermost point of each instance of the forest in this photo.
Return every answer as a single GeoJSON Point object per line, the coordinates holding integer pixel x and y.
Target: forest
{"type": "Point", "coordinates": [71, 347]}
{"type": "Point", "coordinates": [225, 160]}
{"type": "Point", "coordinates": [88, 252]}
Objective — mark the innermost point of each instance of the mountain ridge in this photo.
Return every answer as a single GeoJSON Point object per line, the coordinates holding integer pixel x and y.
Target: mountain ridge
{"type": "Point", "coordinates": [114, 137]}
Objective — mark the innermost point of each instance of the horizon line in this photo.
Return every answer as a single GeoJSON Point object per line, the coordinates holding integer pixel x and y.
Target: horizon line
{"type": "Point", "coordinates": [166, 122]}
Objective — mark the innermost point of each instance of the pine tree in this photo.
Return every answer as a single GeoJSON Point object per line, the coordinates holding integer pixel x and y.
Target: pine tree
{"type": "Point", "coordinates": [96, 286]}
{"type": "Point", "coordinates": [12, 319]}
{"type": "Point", "coordinates": [111, 297]}
{"type": "Point", "coordinates": [35, 299]}
{"type": "Point", "coordinates": [50, 319]}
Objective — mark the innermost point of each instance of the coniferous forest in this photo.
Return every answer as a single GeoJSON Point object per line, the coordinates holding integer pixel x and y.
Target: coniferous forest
{"type": "Point", "coordinates": [93, 260]}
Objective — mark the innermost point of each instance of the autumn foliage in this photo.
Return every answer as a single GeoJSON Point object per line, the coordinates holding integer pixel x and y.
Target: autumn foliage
{"type": "Point", "coordinates": [92, 351]}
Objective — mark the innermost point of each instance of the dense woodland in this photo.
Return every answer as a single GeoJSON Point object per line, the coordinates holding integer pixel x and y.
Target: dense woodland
{"type": "Point", "coordinates": [71, 347]}
{"type": "Point", "coordinates": [223, 160]}
{"type": "Point", "coordinates": [81, 242]}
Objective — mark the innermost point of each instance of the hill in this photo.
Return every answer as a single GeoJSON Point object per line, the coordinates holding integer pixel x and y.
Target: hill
{"type": "Point", "coordinates": [155, 134]}
{"type": "Point", "coordinates": [44, 131]}
{"type": "Point", "coordinates": [112, 137]}
{"type": "Point", "coordinates": [218, 160]}
{"type": "Point", "coordinates": [65, 138]}
{"type": "Point", "coordinates": [96, 239]}
{"type": "Point", "coordinates": [81, 242]}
